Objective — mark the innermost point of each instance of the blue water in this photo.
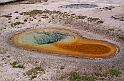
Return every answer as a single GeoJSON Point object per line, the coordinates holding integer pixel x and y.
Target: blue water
{"type": "Point", "coordinates": [43, 37]}
{"type": "Point", "coordinates": [79, 6]}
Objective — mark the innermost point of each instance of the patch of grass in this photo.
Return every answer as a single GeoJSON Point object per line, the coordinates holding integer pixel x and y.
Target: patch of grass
{"type": "Point", "coordinates": [89, 78]}
{"type": "Point", "coordinates": [75, 76]}
{"type": "Point", "coordinates": [32, 73]}
{"type": "Point", "coordinates": [115, 72]}
{"type": "Point", "coordinates": [15, 64]}
{"type": "Point", "coordinates": [112, 73]}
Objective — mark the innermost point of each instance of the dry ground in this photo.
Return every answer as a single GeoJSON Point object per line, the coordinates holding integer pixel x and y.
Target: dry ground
{"type": "Point", "coordinates": [104, 22]}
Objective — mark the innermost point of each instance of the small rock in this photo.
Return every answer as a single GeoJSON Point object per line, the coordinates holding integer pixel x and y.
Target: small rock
{"type": "Point", "coordinates": [62, 67]}
{"type": "Point", "coordinates": [16, 18]}
{"type": "Point", "coordinates": [16, 12]}
{"type": "Point", "coordinates": [44, 16]}
{"type": "Point", "coordinates": [2, 50]}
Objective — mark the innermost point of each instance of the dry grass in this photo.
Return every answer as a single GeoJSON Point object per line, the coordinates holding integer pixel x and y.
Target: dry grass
{"type": "Point", "coordinates": [109, 74]}
{"type": "Point", "coordinates": [32, 73]}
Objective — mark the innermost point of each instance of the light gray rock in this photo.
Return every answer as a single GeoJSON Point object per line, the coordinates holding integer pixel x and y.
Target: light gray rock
{"type": "Point", "coordinates": [5, 1]}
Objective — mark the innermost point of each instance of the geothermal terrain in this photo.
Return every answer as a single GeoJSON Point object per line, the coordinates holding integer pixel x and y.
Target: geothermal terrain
{"type": "Point", "coordinates": [92, 19]}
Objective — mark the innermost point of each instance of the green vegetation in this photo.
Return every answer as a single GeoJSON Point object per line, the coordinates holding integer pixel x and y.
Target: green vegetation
{"type": "Point", "coordinates": [15, 64]}
{"type": "Point", "coordinates": [89, 78]}
{"type": "Point", "coordinates": [75, 76]}
{"type": "Point", "coordinates": [112, 73]}
{"type": "Point", "coordinates": [115, 72]}
{"type": "Point", "coordinates": [32, 73]}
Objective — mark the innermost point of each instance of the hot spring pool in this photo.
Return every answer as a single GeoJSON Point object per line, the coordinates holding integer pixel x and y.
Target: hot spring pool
{"type": "Point", "coordinates": [63, 42]}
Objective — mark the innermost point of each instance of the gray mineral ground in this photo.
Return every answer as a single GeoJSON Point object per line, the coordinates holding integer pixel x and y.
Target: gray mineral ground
{"type": "Point", "coordinates": [28, 1]}
{"type": "Point", "coordinates": [90, 19]}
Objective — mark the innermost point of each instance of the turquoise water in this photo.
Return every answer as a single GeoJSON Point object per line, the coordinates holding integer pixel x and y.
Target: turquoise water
{"type": "Point", "coordinates": [43, 37]}
{"type": "Point", "coordinates": [79, 6]}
